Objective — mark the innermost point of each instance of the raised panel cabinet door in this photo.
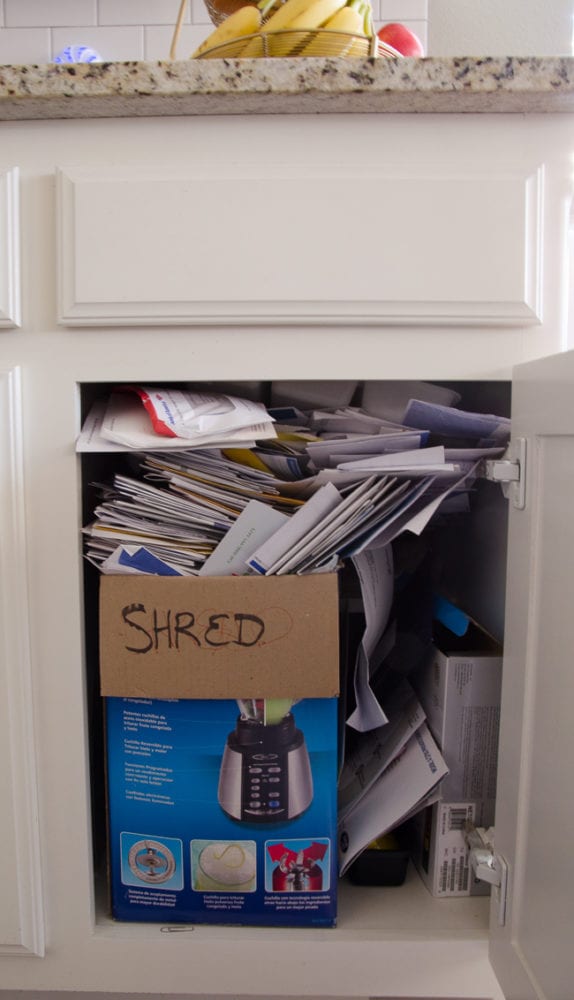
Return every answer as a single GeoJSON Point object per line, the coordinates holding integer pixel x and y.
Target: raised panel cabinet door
{"type": "Point", "coordinates": [21, 909]}
{"type": "Point", "coordinates": [532, 952]}
{"type": "Point", "coordinates": [142, 247]}
{"type": "Point", "coordinates": [9, 248]}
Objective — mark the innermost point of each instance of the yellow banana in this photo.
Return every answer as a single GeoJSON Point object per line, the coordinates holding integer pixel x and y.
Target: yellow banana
{"type": "Point", "coordinates": [287, 13]}
{"type": "Point", "coordinates": [316, 15]}
{"type": "Point", "coordinates": [279, 19]}
{"type": "Point", "coordinates": [312, 18]}
{"type": "Point", "coordinates": [347, 20]}
{"type": "Point", "coordinates": [245, 21]}
{"type": "Point", "coordinates": [357, 47]}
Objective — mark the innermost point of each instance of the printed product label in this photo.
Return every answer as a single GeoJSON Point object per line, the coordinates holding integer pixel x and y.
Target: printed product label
{"type": "Point", "coordinates": [453, 874]}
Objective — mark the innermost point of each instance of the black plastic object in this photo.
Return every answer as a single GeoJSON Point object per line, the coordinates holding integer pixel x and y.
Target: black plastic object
{"type": "Point", "coordinates": [382, 863]}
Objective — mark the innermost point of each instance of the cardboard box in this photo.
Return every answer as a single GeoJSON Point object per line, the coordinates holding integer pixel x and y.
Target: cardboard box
{"type": "Point", "coordinates": [440, 853]}
{"type": "Point", "coordinates": [459, 689]}
{"type": "Point", "coordinates": [221, 734]}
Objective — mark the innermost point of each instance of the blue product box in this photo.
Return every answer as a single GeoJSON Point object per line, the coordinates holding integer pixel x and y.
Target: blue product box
{"type": "Point", "coordinates": [221, 810]}
{"type": "Point", "coordinates": [183, 847]}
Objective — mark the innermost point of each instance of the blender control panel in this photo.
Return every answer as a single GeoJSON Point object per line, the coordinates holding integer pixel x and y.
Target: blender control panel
{"type": "Point", "coordinates": [264, 786]}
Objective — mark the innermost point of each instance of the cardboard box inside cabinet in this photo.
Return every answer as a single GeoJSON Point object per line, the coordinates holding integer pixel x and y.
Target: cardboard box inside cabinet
{"type": "Point", "coordinates": [221, 736]}
{"type": "Point", "coordinates": [459, 688]}
{"type": "Point", "coordinates": [440, 853]}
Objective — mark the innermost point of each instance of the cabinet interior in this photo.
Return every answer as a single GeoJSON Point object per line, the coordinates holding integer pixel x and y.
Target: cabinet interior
{"type": "Point", "coordinates": [473, 569]}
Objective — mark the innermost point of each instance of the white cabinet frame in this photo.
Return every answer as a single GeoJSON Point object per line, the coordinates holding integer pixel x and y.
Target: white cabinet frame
{"type": "Point", "coordinates": [21, 914]}
{"type": "Point", "coordinates": [9, 248]}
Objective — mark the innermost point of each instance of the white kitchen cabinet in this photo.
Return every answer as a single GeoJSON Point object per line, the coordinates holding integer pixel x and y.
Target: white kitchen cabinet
{"type": "Point", "coordinates": [10, 247]}
{"type": "Point", "coordinates": [21, 916]}
{"type": "Point", "coordinates": [246, 309]}
{"type": "Point", "coordinates": [336, 232]}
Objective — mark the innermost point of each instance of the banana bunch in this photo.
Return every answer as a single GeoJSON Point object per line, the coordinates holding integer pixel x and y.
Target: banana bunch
{"type": "Point", "coordinates": [291, 28]}
{"type": "Point", "coordinates": [245, 21]}
{"type": "Point", "coordinates": [354, 18]}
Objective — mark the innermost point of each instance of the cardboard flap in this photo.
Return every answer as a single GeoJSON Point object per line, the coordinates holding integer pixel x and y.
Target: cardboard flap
{"type": "Point", "coordinates": [219, 637]}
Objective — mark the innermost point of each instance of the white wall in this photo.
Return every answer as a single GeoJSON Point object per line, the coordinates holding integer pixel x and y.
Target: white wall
{"type": "Point", "coordinates": [34, 31]}
{"type": "Point", "coordinates": [500, 27]}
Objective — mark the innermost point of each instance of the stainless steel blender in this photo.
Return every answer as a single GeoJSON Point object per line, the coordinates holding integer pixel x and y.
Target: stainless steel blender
{"type": "Point", "coordinates": [265, 774]}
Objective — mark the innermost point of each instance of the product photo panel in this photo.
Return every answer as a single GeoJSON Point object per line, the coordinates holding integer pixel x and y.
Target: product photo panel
{"type": "Point", "coordinates": [223, 811]}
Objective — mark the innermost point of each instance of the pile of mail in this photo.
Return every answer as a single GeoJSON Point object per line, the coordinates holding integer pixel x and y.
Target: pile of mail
{"type": "Point", "coordinates": [150, 418]}
{"type": "Point", "coordinates": [214, 484]}
{"type": "Point", "coordinates": [389, 774]}
{"type": "Point", "coordinates": [316, 487]}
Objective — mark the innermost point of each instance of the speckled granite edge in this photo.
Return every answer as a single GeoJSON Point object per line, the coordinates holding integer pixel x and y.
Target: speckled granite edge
{"type": "Point", "coordinates": [287, 86]}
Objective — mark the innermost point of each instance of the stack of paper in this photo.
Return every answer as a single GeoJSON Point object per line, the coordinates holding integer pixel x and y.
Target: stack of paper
{"type": "Point", "coordinates": [390, 774]}
{"type": "Point", "coordinates": [140, 417]}
{"type": "Point", "coordinates": [224, 486]}
{"type": "Point", "coordinates": [135, 515]}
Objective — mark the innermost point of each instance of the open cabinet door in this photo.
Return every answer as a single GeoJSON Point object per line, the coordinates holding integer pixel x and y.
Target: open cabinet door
{"type": "Point", "coordinates": [533, 952]}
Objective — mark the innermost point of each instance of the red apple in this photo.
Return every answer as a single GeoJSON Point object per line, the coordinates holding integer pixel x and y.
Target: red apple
{"type": "Point", "coordinates": [402, 39]}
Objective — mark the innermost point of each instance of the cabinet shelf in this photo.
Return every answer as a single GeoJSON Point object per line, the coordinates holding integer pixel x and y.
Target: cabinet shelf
{"type": "Point", "coordinates": [388, 942]}
{"type": "Point", "coordinates": [375, 913]}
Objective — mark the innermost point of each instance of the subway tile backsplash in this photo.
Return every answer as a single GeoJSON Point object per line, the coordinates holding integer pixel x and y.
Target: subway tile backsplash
{"type": "Point", "coordinates": [34, 31]}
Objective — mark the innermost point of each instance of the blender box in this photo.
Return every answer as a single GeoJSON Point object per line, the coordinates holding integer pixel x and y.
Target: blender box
{"type": "Point", "coordinates": [459, 688]}
{"type": "Point", "coordinates": [221, 718]}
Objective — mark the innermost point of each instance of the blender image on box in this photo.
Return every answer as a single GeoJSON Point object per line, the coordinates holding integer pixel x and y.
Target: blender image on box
{"type": "Point", "coordinates": [298, 867]}
{"type": "Point", "coordinates": [265, 771]}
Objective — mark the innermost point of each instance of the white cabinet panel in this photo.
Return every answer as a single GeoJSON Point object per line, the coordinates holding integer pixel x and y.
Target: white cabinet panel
{"type": "Point", "coordinates": [9, 249]}
{"type": "Point", "coordinates": [535, 807]}
{"type": "Point", "coordinates": [21, 919]}
{"type": "Point", "coordinates": [447, 248]}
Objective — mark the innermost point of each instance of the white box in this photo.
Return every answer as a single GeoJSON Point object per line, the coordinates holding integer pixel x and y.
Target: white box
{"type": "Point", "coordinates": [440, 853]}
{"type": "Point", "coordinates": [459, 689]}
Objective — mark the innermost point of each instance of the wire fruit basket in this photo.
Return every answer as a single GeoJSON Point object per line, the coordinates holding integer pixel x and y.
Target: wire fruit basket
{"type": "Point", "coordinates": [290, 43]}
{"type": "Point", "coordinates": [218, 12]}
{"type": "Point", "coordinates": [285, 42]}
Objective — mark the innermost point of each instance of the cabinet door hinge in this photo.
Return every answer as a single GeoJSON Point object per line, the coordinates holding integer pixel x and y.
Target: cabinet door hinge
{"type": "Point", "coordinates": [487, 865]}
{"type": "Point", "coordinates": [510, 472]}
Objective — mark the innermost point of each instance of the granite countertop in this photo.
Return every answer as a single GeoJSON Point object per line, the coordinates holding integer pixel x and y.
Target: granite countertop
{"type": "Point", "coordinates": [288, 86]}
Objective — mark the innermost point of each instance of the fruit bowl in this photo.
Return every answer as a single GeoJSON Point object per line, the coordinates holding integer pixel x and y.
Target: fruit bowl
{"type": "Point", "coordinates": [290, 43]}
{"type": "Point", "coordinates": [218, 10]}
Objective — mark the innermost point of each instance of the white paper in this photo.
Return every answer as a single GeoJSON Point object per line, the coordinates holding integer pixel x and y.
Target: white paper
{"type": "Point", "coordinates": [90, 437]}
{"type": "Point", "coordinates": [343, 537]}
{"type": "Point", "coordinates": [354, 505]}
{"type": "Point", "coordinates": [388, 528]}
{"type": "Point", "coordinates": [399, 459]}
{"type": "Point", "coordinates": [373, 751]}
{"type": "Point", "coordinates": [269, 556]}
{"type": "Point", "coordinates": [126, 423]}
{"type": "Point", "coordinates": [405, 783]}
{"type": "Point", "coordinates": [194, 414]}
{"type": "Point", "coordinates": [390, 398]}
{"type": "Point", "coordinates": [254, 526]}
{"type": "Point", "coordinates": [417, 521]}
{"type": "Point", "coordinates": [345, 421]}
{"type": "Point", "coordinates": [376, 577]}
{"type": "Point", "coordinates": [329, 453]}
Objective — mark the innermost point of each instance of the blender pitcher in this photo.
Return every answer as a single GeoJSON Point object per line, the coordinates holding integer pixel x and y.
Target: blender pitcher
{"type": "Point", "coordinates": [265, 774]}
